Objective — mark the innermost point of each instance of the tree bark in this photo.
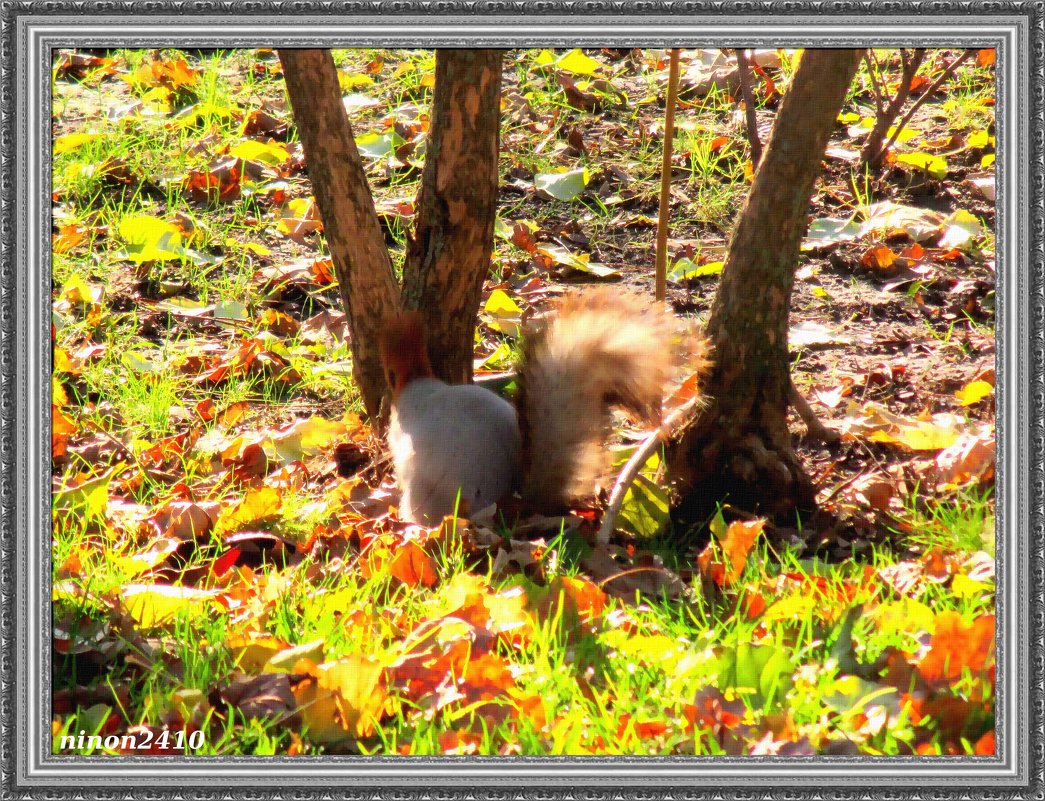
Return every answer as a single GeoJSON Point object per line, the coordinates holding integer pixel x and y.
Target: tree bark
{"type": "Point", "coordinates": [738, 449]}
{"type": "Point", "coordinates": [369, 291]}
{"type": "Point", "coordinates": [448, 258]}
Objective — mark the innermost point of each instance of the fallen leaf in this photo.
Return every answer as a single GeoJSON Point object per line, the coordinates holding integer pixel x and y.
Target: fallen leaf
{"type": "Point", "coordinates": [723, 560]}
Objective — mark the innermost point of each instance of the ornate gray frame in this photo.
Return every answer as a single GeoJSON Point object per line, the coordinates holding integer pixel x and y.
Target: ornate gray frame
{"type": "Point", "coordinates": [31, 27]}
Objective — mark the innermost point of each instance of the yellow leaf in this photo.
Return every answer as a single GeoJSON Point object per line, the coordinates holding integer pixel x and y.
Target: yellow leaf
{"type": "Point", "coordinates": [346, 699]}
{"type": "Point", "coordinates": [158, 550]}
{"type": "Point", "coordinates": [265, 153]}
{"type": "Point", "coordinates": [974, 392]}
{"type": "Point", "coordinates": [64, 144]}
{"type": "Point", "coordinates": [257, 504]}
{"type": "Point", "coordinates": [151, 239]}
{"type": "Point", "coordinates": [576, 62]}
{"type": "Point", "coordinates": [252, 653]}
{"type": "Point", "coordinates": [965, 587]}
{"type": "Point", "coordinates": [284, 661]}
{"type": "Point", "coordinates": [153, 604]}
{"type": "Point", "coordinates": [920, 436]}
{"type": "Point", "coordinates": [58, 396]}
{"type": "Point", "coordinates": [795, 607]}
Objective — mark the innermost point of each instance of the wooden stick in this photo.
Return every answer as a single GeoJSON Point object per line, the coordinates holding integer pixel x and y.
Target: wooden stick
{"type": "Point", "coordinates": [661, 290]}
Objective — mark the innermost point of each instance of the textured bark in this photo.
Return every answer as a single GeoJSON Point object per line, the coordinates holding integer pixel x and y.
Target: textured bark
{"type": "Point", "coordinates": [448, 257]}
{"type": "Point", "coordinates": [738, 449]}
{"type": "Point", "coordinates": [353, 232]}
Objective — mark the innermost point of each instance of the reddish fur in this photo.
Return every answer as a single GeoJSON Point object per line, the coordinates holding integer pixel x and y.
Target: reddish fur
{"type": "Point", "coordinates": [404, 354]}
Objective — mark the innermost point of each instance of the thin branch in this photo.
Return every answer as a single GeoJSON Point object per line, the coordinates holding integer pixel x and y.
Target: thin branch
{"type": "Point", "coordinates": [630, 470]}
{"type": "Point", "coordinates": [744, 70]}
{"type": "Point", "coordinates": [873, 151]}
{"type": "Point", "coordinates": [661, 288]}
{"type": "Point", "coordinates": [947, 73]}
{"type": "Point", "coordinates": [873, 70]}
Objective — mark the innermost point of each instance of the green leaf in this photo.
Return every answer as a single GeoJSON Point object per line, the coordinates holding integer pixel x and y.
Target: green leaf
{"type": "Point", "coordinates": [252, 150]}
{"type": "Point", "coordinates": [284, 661]}
{"type": "Point", "coordinates": [564, 185]}
{"type": "Point", "coordinates": [935, 166]}
{"type": "Point", "coordinates": [828, 231]}
{"type": "Point", "coordinates": [646, 505]}
{"type": "Point", "coordinates": [687, 270]}
{"type": "Point", "coordinates": [576, 261]}
{"type": "Point", "coordinates": [377, 146]}
{"type": "Point", "coordinates": [91, 496]}
{"type": "Point", "coordinates": [761, 672]}
{"type": "Point", "coordinates": [140, 362]}
{"type": "Point", "coordinates": [231, 310]}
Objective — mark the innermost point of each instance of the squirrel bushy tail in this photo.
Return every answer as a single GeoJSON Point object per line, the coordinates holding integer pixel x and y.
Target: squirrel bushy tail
{"type": "Point", "coordinates": [598, 349]}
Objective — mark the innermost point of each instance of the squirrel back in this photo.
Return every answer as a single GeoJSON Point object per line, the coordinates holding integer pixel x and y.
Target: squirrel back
{"type": "Point", "coordinates": [598, 349]}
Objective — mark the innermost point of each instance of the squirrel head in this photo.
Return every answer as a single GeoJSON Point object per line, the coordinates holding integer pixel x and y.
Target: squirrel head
{"type": "Point", "coordinates": [404, 354]}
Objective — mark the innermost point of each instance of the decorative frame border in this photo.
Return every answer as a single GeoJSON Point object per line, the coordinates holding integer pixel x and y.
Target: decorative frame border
{"type": "Point", "coordinates": [29, 29]}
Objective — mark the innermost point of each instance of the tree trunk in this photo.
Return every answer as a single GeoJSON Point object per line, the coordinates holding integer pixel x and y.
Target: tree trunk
{"type": "Point", "coordinates": [448, 258]}
{"type": "Point", "coordinates": [353, 232]}
{"type": "Point", "coordinates": [738, 449]}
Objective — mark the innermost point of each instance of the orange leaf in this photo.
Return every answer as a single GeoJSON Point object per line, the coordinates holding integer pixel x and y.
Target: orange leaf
{"type": "Point", "coordinates": [323, 271]}
{"type": "Point", "coordinates": [68, 237]}
{"type": "Point", "coordinates": [985, 745]}
{"type": "Point", "coordinates": [878, 258]}
{"type": "Point", "coordinates": [918, 81]}
{"type": "Point", "coordinates": [955, 646]}
{"type": "Point", "coordinates": [985, 58]}
{"type": "Point", "coordinates": [723, 562]}
{"type": "Point", "coordinates": [412, 566]}
{"type": "Point", "coordinates": [581, 599]}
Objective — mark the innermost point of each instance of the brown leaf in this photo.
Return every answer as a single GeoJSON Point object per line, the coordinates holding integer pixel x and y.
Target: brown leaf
{"type": "Point", "coordinates": [265, 696]}
{"type": "Point", "coordinates": [220, 184]}
{"type": "Point", "coordinates": [412, 566]}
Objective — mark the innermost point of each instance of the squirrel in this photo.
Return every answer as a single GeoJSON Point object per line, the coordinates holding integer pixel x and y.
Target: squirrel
{"type": "Point", "coordinates": [460, 448]}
